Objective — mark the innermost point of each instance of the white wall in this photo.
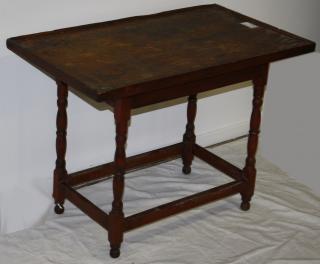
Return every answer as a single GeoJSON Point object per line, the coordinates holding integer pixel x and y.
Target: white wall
{"type": "Point", "coordinates": [28, 107]}
{"type": "Point", "coordinates": [291, 126]}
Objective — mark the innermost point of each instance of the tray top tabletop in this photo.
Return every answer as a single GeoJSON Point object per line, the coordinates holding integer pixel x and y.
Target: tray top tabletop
{"type": "Point", "coordinates": [128, 56]}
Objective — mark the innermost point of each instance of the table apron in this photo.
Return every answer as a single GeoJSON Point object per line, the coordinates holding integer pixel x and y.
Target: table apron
{"type": "Point", "coordinates": [194, 87]}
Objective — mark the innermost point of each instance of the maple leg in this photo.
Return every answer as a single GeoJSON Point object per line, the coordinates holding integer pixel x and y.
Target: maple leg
{"type": "Point", "coordinates": [60, 172]}
{"type": "Point", "coordinates": [189, 137]}
{"type": "Point", "coordinates": [249, 171]}
{"type": "Point", "coordinates": [116, 216]}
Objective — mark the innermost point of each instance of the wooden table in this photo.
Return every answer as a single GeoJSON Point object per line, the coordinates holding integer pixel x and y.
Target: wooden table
{"type": "Point", "coordinates": [139, 61]}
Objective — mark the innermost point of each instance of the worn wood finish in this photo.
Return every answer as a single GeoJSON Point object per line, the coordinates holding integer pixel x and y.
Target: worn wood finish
{"type": "Point", "coordinates": [138, 161]}
{"type": "Point", "coordinates": [137, 55]}
{"type": "Point", "coordinates": [60, 172]}
{"type": "Point", "coordinates": [139, 61]}
{"type": "Point", "coordinates": [116, 216]}
{"type": "Point", "coordinates": [218, 163]}
{"type": "Point", "coordinates": [249, 171]}
{"type": "Point", "coordinates": [189, 138]}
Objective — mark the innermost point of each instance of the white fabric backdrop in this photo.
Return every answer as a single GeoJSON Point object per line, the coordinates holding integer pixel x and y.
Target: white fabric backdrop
{"type": "Point", "coordinates": [282, 227]}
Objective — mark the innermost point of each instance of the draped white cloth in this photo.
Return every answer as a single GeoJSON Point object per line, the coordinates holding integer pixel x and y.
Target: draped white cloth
{"type": "Point", "coordinates": [283, 225]}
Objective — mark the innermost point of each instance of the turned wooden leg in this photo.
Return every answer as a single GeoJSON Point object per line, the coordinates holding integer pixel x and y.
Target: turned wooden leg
{"type": "Point", "coordinates": [116, 217]}
{"type": "Point", "coordinates": [189, 138]}
{"type": "Point", "coordinates": [249, 171]}
{"type": "Point", "coordinates": [60, 172]}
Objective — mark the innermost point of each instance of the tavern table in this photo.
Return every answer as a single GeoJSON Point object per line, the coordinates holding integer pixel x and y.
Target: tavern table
{"type": "Point", "coordinates": [134, 62]}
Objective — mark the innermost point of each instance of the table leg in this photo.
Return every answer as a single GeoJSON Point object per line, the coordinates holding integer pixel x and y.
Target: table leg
{"type": "Point", "coordinates": [249, 171]}
{"type": "Point", "coordinates": [60, 172]}
{"type": "Point", "coordinates": [189, 137]}
{"type": "Point", "coordinates": [116, 216]}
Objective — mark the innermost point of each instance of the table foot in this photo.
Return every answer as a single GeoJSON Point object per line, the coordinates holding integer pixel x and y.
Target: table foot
{"type": "Point", "coordinates": [59, 209]}
{"type": "Point", "coordinates": [186, 170]}
{"type": "Point", "coordinates": [245, 206]}
{"type": "Point", "coordinates": [114, 252]}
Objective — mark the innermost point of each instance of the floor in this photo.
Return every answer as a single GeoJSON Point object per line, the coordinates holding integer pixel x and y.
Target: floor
{"type": "Point", "coordinates": [283, 225]}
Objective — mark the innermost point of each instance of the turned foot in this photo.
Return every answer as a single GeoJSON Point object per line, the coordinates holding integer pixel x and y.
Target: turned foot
{"type": "Point", "coordinates": [59, 208]}
{"type": "Point", "coordinates": [186, 169]}
{"type": "Point", "coordinates": [114, 252]}
{"type": "Point", "coordinates": [245, 206]}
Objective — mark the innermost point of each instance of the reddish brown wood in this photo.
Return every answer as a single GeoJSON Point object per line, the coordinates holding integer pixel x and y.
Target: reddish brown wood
{"type": "Point", "coordinates": [178, 206]}
{"type": "Point", "coordinates": [138, 161]}
{"type": "Point", "coordinates": [249, 171]}
{"type": "Point", "coordinates": [140, 61]}
{"type": "Point", "coordinates": [189, 138]}
{"type": "Point", "coordinates": [86, 206]}
{"type": "Point", "coordinates": [116, 218]}
{"type": "Point", "coordinates": [218, 163]}
{"type": "Point", "coordinates": [60, 172]}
